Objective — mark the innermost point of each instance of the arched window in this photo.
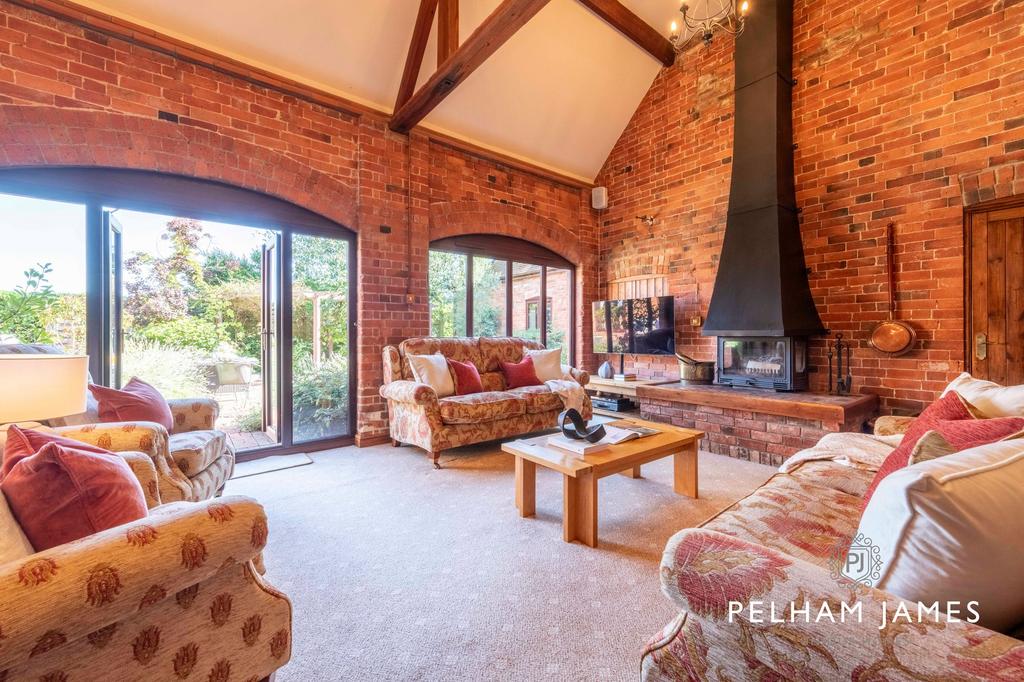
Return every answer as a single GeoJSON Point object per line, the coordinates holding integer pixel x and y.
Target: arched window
{"type": "Point", "coordinates": [197, 287]}
{"type": "Point", "coordinates": [487, 285]}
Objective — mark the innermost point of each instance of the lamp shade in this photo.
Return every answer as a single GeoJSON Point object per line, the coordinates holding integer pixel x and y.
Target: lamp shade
{"type": "Point", "coordinates": [37, 387]}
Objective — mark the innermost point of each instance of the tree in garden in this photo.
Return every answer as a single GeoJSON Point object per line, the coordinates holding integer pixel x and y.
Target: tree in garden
{"type": "Point", "coordinates": [158, 289]}
{"type": "Point", "coordinates": [23, 311]}
{"type": "Point", "coordinates": [320, 277]}
{"type": "Point", "coordinates": [488, 283]}
{"type": "Point", "coordinates": [221, 266]}
{"type": "Point", "coordinates": [447, 277]}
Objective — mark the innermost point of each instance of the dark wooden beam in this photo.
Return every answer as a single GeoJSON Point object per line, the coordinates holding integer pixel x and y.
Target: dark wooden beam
{"type": "Point", "coordinates": [634, 28]}
{"type": "Point", "coordinates": [417, 47]}
{"type": "Point", "coordinates": [447, 29]}
{"type": "Point", "coordinates": [501, 25]}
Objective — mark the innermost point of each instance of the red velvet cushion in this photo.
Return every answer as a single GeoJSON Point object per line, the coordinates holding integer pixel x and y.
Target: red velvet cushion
{"type": "Point", "coordinates": [136, 402]}
{"type": "Point", "coordinates": [467, 377]}
{"type": "Point", "coordinates": [951, 417]}
{"type": "Point", "coordinates": [22, 443]}
{"type": "Point", "coordinates": [520, 373]}
{"type": "Point", "coordinates": [60, 494]}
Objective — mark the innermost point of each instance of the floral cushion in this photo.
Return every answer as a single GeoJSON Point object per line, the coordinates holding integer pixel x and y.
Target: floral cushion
{"type": "Point", "coordinates": [538, 398]}
{"type": "Point", "coordinates": [480, 407]}
{"type": "Point", "coordinates": [194, 451]}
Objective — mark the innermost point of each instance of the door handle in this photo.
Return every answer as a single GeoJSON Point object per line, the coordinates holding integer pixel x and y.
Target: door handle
{"type": "Point", "coordinates": [980, 346]}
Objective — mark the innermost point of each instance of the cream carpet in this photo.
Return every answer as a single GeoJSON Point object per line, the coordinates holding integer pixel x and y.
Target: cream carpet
{"type": "Point", "coordinates": [397, 571]}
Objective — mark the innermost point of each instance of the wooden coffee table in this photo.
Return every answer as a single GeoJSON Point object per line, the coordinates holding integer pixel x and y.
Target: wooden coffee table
{"type": "Point", "coordinates": [581, 474]}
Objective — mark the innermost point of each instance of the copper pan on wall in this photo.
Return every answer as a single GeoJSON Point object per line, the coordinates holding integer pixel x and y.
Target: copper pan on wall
{"type": "Point", "coordinates": [892, 336]}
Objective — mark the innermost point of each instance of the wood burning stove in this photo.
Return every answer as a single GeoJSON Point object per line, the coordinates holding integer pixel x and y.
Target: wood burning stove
{"type": "Point", "coordinates": [773, 362]}
{"type": "Point", "coordinates": [761, 309]}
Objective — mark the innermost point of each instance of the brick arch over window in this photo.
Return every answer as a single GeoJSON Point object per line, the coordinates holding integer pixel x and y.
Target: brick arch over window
{"type": "Point", "coordinates": [54, 136]}
{"type": "Point", "coordinates": [455, 218]}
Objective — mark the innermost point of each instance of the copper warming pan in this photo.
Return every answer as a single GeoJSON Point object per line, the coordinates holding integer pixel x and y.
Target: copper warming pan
{"type": "Point", "coordinates": [892, 336]}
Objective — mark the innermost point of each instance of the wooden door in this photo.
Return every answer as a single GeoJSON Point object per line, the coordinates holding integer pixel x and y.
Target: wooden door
{"type": "Point", "coordinates": [995, 294]}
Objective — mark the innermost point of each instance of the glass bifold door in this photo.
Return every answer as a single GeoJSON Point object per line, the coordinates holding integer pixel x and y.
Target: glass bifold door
{"type": "Point", "coordinates": [257, 317]}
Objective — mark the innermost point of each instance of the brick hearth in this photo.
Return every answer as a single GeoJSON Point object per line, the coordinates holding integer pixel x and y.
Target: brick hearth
{"type": "Point", "coordinates": [755, 425]}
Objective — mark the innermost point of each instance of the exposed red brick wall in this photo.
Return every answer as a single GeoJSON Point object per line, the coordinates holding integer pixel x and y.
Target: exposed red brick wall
{"type": "Point", "coordinates": [902, 111]}
{"type": "Point", "coordinates": [74, 96]}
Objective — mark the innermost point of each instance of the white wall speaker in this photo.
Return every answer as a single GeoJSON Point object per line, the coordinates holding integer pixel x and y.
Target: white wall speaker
{"type": "Point", "coordinates": [599, 197]}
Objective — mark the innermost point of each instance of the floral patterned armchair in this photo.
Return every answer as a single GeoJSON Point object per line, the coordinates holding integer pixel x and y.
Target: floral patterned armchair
{"type": "Point", "coordinates": [176, 595]}
{"type": "Point", "coordinates": [192, 462]}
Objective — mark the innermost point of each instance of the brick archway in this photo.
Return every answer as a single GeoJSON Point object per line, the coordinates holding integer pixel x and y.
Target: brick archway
{"type": "Point", "coordinates": [450, 219]}
{"type": "Point", "coordinates": [55, 136]}
{"type": "Point", "coordinates": [1000, 182]}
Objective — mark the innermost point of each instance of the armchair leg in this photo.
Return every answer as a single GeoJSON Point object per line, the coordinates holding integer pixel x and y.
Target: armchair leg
{"type": "Point", "coordinates": [395, 443]}
{"type": "Point", "coordinates": [434, 455]}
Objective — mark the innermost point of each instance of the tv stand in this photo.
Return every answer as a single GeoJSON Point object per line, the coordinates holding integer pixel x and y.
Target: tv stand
{"type": "Point", "coordinates": [626, 389]}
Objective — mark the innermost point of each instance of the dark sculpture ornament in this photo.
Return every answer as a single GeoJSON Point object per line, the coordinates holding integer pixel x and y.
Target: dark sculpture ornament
{"type": "Point", "coordinates": [574, 427]}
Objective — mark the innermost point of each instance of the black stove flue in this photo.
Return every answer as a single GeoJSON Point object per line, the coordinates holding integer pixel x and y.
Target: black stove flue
{"type": "Point", "coordinates": [761, 289]}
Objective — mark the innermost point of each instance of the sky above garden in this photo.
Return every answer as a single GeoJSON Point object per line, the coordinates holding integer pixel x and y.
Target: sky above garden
{"type": "Point", "coordinates": [40, 231]}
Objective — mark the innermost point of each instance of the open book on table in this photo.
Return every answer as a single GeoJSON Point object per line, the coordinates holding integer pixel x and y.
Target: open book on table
{"type": "Point", "coordinates": [613, 435]}
{"type": "Point", "coordinates": [622, 430]}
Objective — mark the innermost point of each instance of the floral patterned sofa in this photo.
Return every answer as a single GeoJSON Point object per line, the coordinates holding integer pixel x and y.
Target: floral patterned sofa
{"type": "Point", "coordinates": [418, 417]}
{"type": "Point", "coordinates": [778, 545]}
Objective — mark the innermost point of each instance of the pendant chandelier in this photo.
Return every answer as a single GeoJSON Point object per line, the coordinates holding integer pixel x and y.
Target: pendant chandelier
{"type": "Point", "coordinates": [725, 15]}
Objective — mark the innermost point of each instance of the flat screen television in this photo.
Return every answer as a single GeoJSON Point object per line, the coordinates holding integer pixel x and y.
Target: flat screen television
{"type": "Point", "coordinates": [638, 326]}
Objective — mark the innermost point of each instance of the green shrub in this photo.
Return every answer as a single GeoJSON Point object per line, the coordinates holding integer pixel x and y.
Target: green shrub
{"type": "Point", "coordinates": [186, 332]}
{"type": "Point", "coordinates": [251, 420]}
{"type": "Point", "coordinates": [320, 397]}
{"type": "Point", "coordinates": [175, 372]}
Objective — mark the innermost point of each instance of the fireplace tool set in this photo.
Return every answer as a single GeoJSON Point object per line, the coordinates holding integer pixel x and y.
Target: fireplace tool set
{"type": "Point", "coordinates": [843, 383]}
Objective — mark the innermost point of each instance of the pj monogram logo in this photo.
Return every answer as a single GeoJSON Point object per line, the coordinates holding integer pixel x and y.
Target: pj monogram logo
{"type": "Point", "coordinates": [860, 564]}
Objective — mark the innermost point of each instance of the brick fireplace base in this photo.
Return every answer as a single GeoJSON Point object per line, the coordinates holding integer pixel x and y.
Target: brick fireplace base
{"type": "Point", "coordinates": [756, 425]}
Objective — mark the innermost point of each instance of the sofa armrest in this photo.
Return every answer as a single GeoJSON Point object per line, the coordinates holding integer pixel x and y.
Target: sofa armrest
{"type": "Point", "coordinates": [409, 392]}
{"type": "Point", "coordinates": [145, 437]}
{"type": "Point", "coordinates": [581, 376]}
{"type": "Point", "coordinates": [720, 580]}
{"type": "Point", "coordinates": [392, 364]}
{"type": "Point", "coordinates": [142, 466]}
{"type": "Point", "coordinates": [193, 414]}
{"type": "Point", "coordinates": [892, 425]}
{"type": "Point", "coordinates": [65, 593]}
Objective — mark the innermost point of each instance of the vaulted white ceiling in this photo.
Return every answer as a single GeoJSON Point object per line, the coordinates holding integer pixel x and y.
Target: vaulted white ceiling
{"type": "Point", "coordinates": [558, 93]}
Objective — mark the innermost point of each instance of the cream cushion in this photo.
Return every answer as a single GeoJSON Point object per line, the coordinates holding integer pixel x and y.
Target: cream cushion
{"type": "Point", "coordinates": [991, 399]}
{"type": "Point", "coordinates": [433, 371]}
{"type": "Point", "coordinates": [949, 529]}
{"type": "Point", "coordinates": [13, 543]}
{"type": "Point", "coordinates": [547, 363]}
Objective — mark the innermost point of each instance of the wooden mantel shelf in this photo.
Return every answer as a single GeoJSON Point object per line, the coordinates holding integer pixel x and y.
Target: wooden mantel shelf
{"type": "Point", "coordinates": [823, 407]}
